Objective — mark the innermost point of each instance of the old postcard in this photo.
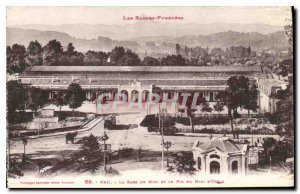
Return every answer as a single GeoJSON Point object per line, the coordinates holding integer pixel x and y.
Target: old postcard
{"type": "Point", "coordinates": [150, 97]}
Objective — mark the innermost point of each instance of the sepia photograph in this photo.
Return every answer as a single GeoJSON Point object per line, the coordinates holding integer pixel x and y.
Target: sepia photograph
{"type": "Point", "coordinates": [150, 97]}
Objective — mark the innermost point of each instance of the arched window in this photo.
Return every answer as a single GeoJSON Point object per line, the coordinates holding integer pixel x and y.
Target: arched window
{"type": "Point", "coordinates": [234, 167]}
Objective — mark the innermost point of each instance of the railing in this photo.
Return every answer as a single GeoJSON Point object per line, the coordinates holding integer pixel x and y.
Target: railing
{"type": "Point", "coordinates": [17, 134]}
{"type": "Point", "coordinates": [212, 115]}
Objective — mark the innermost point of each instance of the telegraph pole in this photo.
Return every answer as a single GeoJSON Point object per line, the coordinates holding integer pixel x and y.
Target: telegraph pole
{"type": "Point", "coordinates": [158, 119]}
{"type": "Point", "coordinates": [104, 154]}
{"type": "Point", "coordinates": [161, 129]}
{"type": "Point", "coordinates": [162, 144]}
{"type": "Point", "coordinates": [39, 127]}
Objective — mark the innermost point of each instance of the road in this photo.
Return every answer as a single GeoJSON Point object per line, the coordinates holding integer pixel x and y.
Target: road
{"type": "Point", "coordinates": [49, 147]}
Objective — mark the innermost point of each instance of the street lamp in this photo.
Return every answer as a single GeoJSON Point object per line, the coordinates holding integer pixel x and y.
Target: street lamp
{"type": "Point", "coordinates": [161, 129]}
{"type": "Point", "coordinates": [167, 145]}
{"type": "Point", "coordinates": [24, 140]}
{"type": "Point", "coordinates": [103, 138]}
{"type": "Point", "coordinates": [39, 127]}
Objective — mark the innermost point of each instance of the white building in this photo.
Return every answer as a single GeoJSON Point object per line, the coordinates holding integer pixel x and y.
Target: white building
{"type": "Point", "coordinates": [221, 155]}
{"type": "Point", "coordinates": [268, 89]}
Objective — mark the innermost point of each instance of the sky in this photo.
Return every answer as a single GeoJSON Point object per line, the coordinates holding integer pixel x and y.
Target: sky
{"type": "Point", "coordinates": [114, 15]}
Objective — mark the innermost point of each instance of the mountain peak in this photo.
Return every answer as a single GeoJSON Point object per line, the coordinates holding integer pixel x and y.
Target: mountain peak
{"type": "Point", "coordinates": [150, 28]}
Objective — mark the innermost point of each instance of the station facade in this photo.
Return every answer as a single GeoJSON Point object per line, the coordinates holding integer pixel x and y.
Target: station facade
{"type": "Point", "coordinates": [138, 82]}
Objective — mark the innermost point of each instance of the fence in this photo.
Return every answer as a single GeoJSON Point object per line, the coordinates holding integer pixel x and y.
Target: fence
{"type": "Point", "coordinates": [42, 132]}
{"type": "Point", "coordinates": [205, 115]}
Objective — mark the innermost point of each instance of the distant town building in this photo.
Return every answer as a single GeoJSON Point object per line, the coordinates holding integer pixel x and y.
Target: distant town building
{"type": "Point", "coordinates": [268, 89]}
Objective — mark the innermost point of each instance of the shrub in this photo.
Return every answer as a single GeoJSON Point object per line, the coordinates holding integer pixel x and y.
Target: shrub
{"type": "Point", "coordinates": [203, 120]}
{"type": "Point", "coordinates": [183, 163]}
{"type": "Point", "coordinates": [91, 153]}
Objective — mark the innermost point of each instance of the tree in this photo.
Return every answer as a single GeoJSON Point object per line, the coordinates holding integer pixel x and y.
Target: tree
{"type": "Point", "coordinates": [93, 58]}
{"type": "Point", "coordinates": [278, 151]}
{"type": "Point", "coordinates": [60, 100]}
{"type": "Point", "coordinates": [15, 99]}
{"type": "Point", "coordinates": [70, 49]}
{"type": "Point", "coordinates": [191, 110]}
{"type": "Point", "coordinates": [35, 98]}
{"type": "Point", "coordinates": [15, 95]}
{"type": "Point", "coordinates": [178, 49]}
{"type": "Point", "coordinates": [168, 125]}
{"type": "Point", "coordinates": [75, 96]}
{"type": "Point", "coordinates": [51, 53]}
{"type": "Point", "coordinates": [15, 58]}
{"type": "Point", "coordinates": [14, 168]}
{"type": "Point", "coordinates": [288, 29]}
{"type": "Point", "coordinates": [282, 151]}
{"type": "Point", "coordinates": [237, 95]}
{"type": "Point", "coordinates": [250, 99]}
{"type": "Point", "coordinates": [91, 153]}
{"type": "Point", "coordinates": [34, 54]}
{"type": "Point", "coordinates": [238, 88]}
{"type": "Point", "coordinates": [219, 106]}
{"type": "Point", "coordinates": [70, 59]}
{"type": "Point", "coordinates": [248, 52]}
{"type": "Point", "coordinates": [150, 61]}
{"type": "Point", "coordinates": [285, 67]}
{"type": "Point", "coordinates": [285, 107]}
{"type": "Point", "coordinates": [285, 110]}
{"type": "Point", "coordinates": [218, 52]}
{"type": "Point", "coordinates": [206, 107]}
{"type": "Point", "coordinates": [269, 146]}
{"type": "Point", "coordinates": [183, 163]}
{"type": "Point", "coordinates": [129, 59]}
{"type": "Point", "coordinates": [116, 54]}
{"type": "Point", "coordinates": [173, 60]}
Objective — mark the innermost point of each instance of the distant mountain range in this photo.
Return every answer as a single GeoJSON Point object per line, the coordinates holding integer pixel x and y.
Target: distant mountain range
{"type": "Point", "coordinates": [24, 36]}
{"type": "Point", "coordinates": [150, 28]}
{"type": "Point", "coordinates": [165, 44]}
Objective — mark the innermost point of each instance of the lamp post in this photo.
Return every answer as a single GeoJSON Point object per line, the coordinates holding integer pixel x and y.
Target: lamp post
{"type": "Point", "coordinates": [24, 140]}
{"type": "Point", "coordinates": [103, 138]}
{"type": "Point", "coordinates": [167, 145]}
{"type": "Point", "coordinates": [161, 129]}
{"type": "Point", "coordinates": [39, 126]}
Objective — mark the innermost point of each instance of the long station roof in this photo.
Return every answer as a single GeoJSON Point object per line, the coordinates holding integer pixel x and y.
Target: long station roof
{"type": "Point", "coordinates": [120, 69]}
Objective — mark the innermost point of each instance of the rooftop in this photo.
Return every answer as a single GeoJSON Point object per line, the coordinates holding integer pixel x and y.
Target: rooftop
{"type": "Point", "coordinates": [224, 144]}
{"type": "Point", "coordinates": [145, 69]}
